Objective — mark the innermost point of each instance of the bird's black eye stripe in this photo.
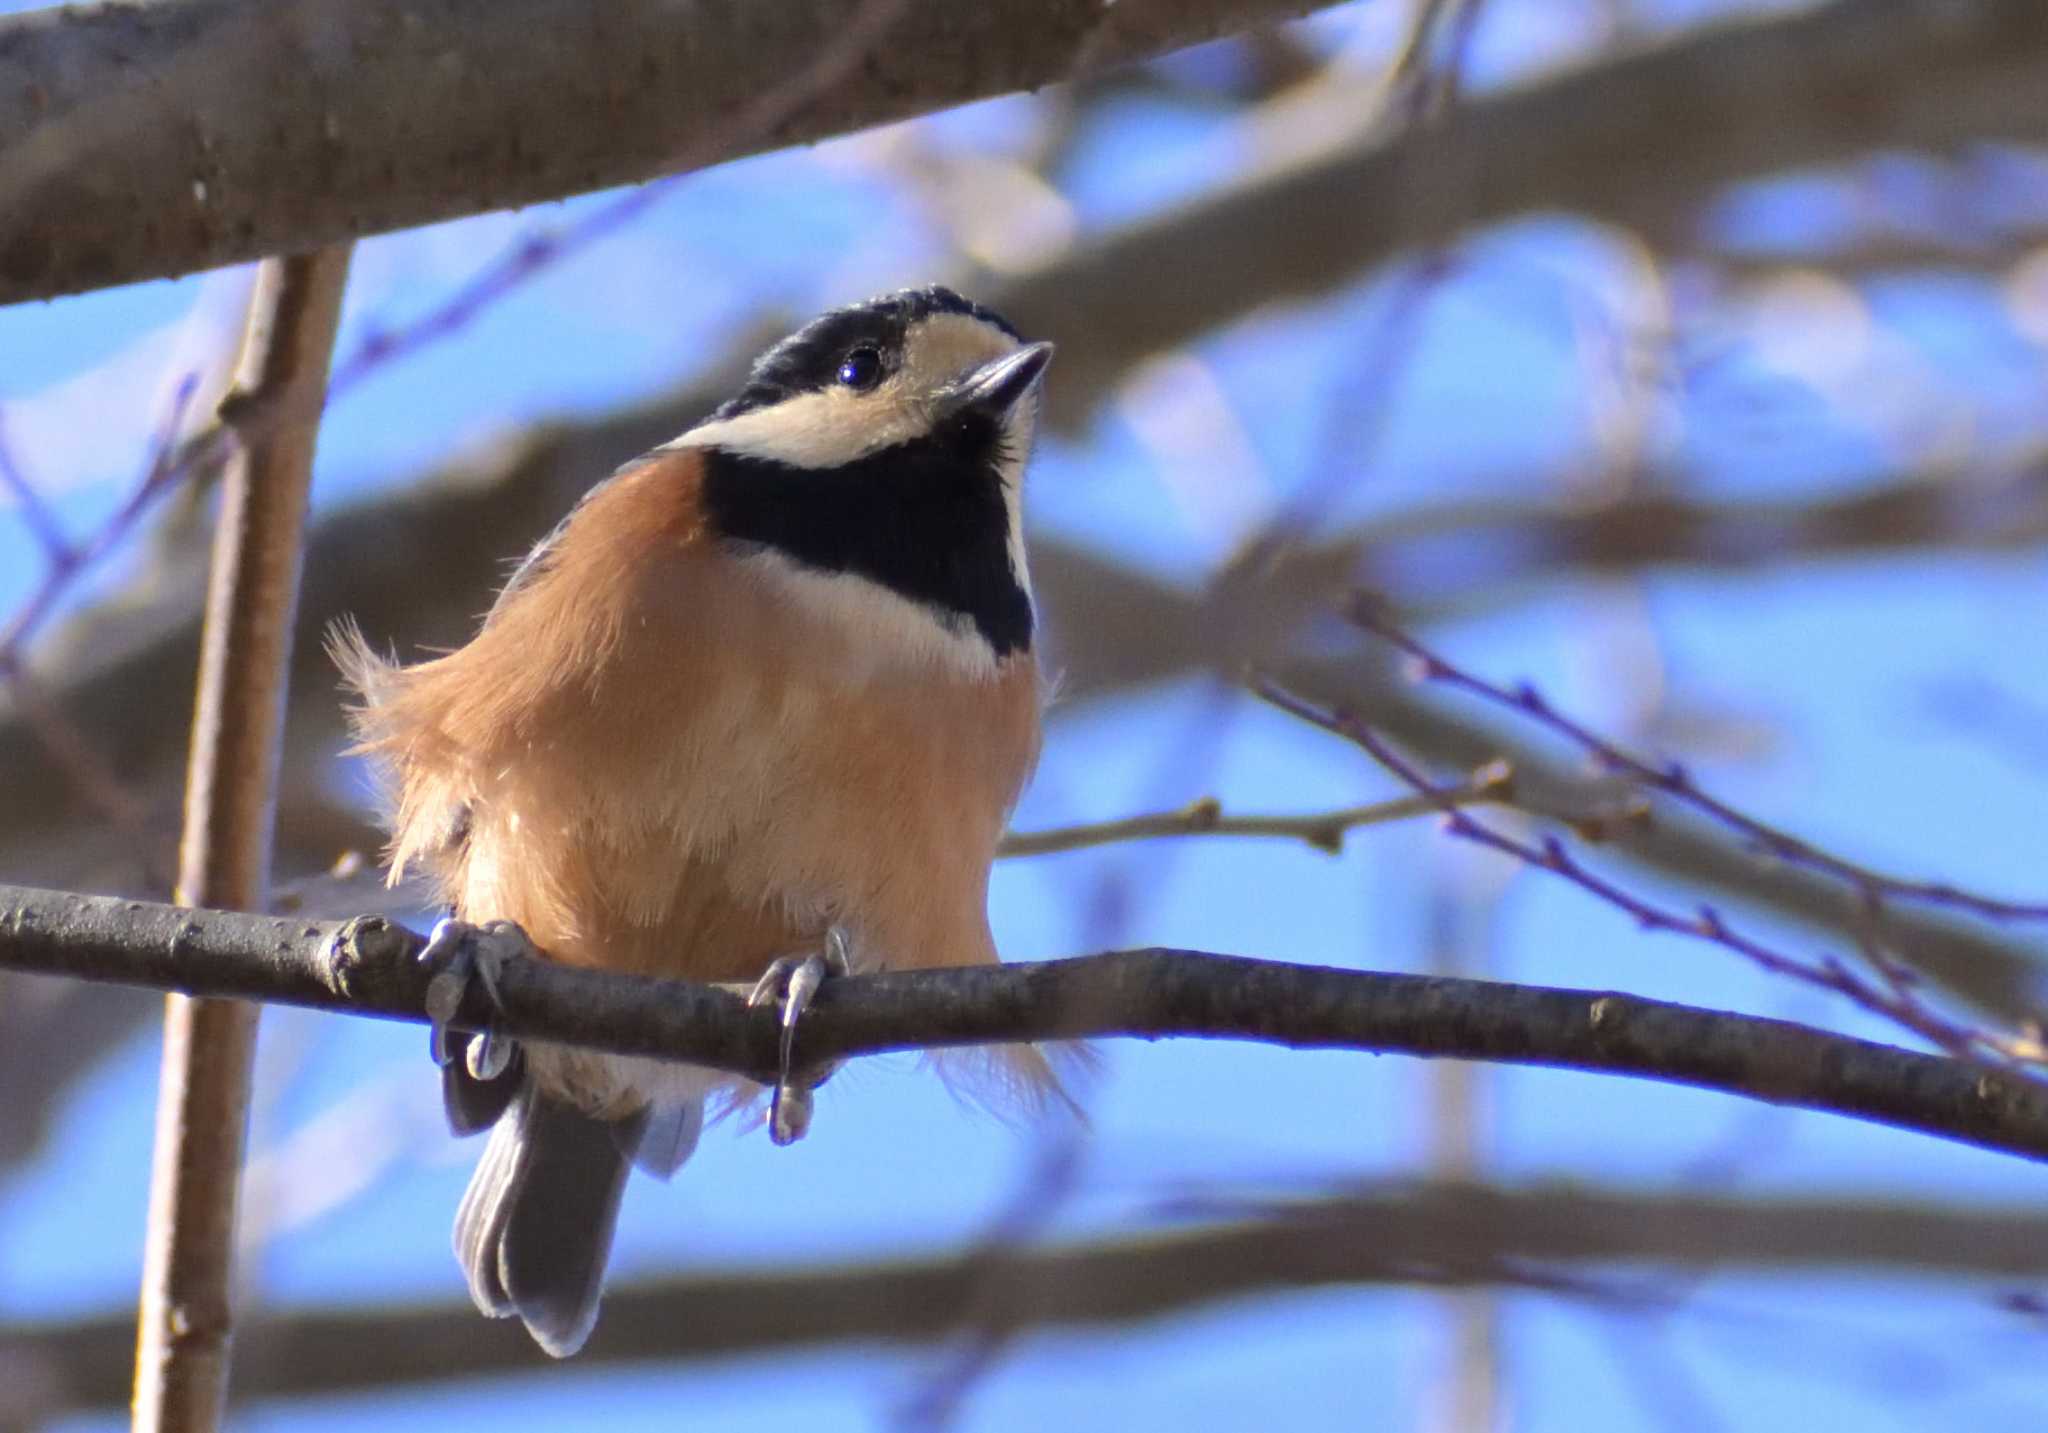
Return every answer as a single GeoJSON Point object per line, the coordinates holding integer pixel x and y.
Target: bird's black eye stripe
{"type": "Point", "coordinates": [860, 369]}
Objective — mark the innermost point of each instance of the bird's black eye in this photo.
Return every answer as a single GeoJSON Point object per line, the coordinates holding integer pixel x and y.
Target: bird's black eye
{"type": "Point", "coordinates": [861, 368]}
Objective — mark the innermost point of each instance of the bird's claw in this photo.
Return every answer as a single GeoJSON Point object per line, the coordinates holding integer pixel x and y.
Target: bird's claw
{"type": "Point", "coordinates": [792, 982]}
{"type": "Point", "coordinates": [465, 952]}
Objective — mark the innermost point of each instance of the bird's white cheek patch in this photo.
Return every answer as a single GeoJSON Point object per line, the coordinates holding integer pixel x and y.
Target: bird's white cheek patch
{"type": "Point", "coordinates": [875, 627]}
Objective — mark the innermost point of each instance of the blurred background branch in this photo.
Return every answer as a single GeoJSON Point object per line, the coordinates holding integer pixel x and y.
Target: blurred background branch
{"type": "Point", "coordinates": [1436, 1236]}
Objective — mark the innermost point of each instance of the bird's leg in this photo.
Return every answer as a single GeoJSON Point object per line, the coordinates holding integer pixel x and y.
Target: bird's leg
{"type": "Point", "coordinates": [466, 952]}
{"type": "Point", "coordinates": [792, 981]}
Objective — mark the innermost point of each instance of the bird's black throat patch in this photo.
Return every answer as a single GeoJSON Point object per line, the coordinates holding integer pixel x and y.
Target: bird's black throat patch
{"type": "Point", "coordinates": [925, 519]}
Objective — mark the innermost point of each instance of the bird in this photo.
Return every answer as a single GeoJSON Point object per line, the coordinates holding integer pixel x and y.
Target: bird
{"type": "Point", "coordinates": [757, 711]}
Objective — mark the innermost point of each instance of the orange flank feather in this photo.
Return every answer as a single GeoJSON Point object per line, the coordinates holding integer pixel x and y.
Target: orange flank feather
{"type": "Point", "coordinates": [656, 756]}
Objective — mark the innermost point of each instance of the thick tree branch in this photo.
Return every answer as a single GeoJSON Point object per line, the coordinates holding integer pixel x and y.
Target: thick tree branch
{"type": "Point", "coordinates": [1436, 1235]}
{"type": "Point", "coordinates": [367, 966]}
{"type": "Point", "coordinates": [142, 141]}
{"type": "Point", "coordinates": [381, 122]}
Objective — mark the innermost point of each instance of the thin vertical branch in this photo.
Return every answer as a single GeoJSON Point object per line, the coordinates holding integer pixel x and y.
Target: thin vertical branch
{"type": "Point", "coordinates": [1464, 904]}
{"type": "Point", "coordinates": [186, 1319]}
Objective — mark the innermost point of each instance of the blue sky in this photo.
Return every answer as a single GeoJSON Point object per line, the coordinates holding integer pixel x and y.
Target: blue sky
{"type": "Point", "coordinates": [1823, 687]}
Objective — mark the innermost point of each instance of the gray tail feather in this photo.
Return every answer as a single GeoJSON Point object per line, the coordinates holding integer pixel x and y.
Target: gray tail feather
{"type": "Point", "coordinates": [535, 1229]}
{"type": "Point", "coordinates": [667, 1139]}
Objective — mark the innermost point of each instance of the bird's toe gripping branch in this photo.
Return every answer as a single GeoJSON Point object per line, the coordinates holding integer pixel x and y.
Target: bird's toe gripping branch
{"type": "Point", "coordinates": [465, 953]}
{"type": "Point", "coordinates": [792, 982]}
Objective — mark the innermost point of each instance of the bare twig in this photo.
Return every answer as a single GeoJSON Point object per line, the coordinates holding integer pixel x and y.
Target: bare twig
{"type": "Point", "coordinates": [186, 1321]}
{"type": "Point", "coordinates": [1675, 781]}
{"type": "Point", "coordinates": [1989, 969]}
{"type": "Point", "coordinates": [1891, 997]}
{"type": "Point", "coordinates": [366, 966]}
{"type": "Point", "coordinates": [1324, 830]}
{"type": "Point", "coordinates": [64, 562]}
{"type": "Point", "coordinates": [165, 467]}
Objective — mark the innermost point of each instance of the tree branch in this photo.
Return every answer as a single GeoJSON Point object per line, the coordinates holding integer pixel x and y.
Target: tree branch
{"type": "Point", "coordinates": [366, 966]}
{"type": "Point", "coordinates": [457, 112]}
{"type": "Point", "coordinates": [142, 141]}
{"type": "Point", "coordinates": [1450, 1234]}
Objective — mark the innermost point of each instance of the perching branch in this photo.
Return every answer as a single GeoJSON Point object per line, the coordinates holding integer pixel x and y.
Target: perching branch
{"type": "Point", "coordinates": [366, 966]}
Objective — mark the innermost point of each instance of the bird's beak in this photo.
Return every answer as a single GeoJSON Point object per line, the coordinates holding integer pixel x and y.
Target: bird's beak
{"type": "Point", "coordinates": [995, 387]}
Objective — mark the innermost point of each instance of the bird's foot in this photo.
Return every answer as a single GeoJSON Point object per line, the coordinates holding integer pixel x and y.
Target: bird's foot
{"type": "Point", "coordinates": [465, 953]}
{"type": "Point", "coordinates": [792, 982]}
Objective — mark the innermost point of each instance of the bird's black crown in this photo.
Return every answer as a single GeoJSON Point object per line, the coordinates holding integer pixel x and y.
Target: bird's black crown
{"type": "Point", "coordinates": [809, 359]}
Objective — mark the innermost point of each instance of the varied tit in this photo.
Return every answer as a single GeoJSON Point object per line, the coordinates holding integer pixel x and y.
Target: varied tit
{"type": "Point", "coordinates": [757, 709]}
